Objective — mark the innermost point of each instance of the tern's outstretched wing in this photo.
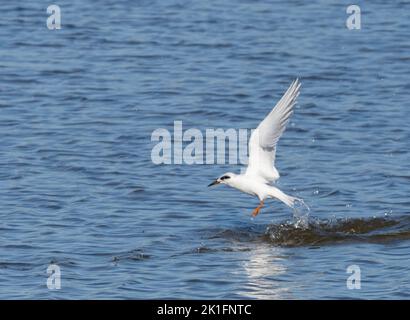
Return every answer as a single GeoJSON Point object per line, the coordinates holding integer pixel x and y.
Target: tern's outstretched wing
{"type": "Point", "coordinates": [262, 144]}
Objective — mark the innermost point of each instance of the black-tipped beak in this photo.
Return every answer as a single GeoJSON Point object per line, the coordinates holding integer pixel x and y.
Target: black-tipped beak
{"type": "Point", "coordinates": [214, 183]}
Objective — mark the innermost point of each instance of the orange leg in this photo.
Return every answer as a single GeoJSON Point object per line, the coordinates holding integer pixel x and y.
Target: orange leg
{"type": "Point", "coordinates": [257, 209]}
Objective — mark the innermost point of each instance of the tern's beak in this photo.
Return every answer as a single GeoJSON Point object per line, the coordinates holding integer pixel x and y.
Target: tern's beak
{"type": "Point", "coordinates": [216, 181]}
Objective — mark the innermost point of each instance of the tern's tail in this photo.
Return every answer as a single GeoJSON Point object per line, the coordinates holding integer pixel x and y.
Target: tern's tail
{"type": "Point", "coordinates": [278, 194]}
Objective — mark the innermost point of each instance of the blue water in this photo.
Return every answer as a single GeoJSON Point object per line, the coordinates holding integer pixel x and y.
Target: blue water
{"type": "Point", "coordinates": [78, 187]}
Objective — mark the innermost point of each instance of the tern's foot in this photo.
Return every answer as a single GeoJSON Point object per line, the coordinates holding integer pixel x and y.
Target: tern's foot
{"type": "Point", "coordinates": [255, 212]}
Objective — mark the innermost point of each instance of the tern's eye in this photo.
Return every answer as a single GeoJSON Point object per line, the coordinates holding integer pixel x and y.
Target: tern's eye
{"type": "Point", "coordinates": [225, 177]}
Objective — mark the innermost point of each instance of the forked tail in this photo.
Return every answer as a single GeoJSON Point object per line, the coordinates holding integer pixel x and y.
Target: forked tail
{"type": "Point", "coordinates": [286, 199]}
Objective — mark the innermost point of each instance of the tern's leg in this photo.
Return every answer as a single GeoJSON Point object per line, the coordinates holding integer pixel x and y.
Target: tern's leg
{"type": "Point", "coordinates": [257, 209]}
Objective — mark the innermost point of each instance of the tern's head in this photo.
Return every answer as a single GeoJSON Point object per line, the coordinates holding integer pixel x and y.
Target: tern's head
{"type": "Point", "coordinates": [226, 178]}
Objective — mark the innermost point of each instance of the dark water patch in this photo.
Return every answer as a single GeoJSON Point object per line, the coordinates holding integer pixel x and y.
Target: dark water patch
{"type": "Point", "coordinates": [317, 232]}
{"type": "Point", "coordinates": [328, 232]}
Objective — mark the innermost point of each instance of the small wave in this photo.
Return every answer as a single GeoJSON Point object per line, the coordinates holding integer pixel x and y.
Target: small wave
{"type": "Point", "coordinates": [134, 255]}
{"type": "Point", "coordinates": [204, 249]}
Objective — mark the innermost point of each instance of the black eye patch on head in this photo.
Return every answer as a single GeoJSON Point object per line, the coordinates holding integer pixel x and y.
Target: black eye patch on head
{"type": "Point", "coordinates": [224, 177]}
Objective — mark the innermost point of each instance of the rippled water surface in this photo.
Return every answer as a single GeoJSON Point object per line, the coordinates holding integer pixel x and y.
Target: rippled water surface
{"type": "Point", "coordinates": [78, 187]}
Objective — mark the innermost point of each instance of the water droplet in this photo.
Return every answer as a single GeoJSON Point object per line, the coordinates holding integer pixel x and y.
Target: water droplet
{"type": "Point", "coordinates": [387, 213]}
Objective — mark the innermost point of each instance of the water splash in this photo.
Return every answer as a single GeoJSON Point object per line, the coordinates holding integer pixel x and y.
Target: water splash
{"type": "Point", "coordinates": [301, 213]}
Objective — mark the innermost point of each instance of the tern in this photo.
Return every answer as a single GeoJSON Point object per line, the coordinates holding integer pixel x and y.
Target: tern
{"type": "Point", "coordinates": [261, 171]}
